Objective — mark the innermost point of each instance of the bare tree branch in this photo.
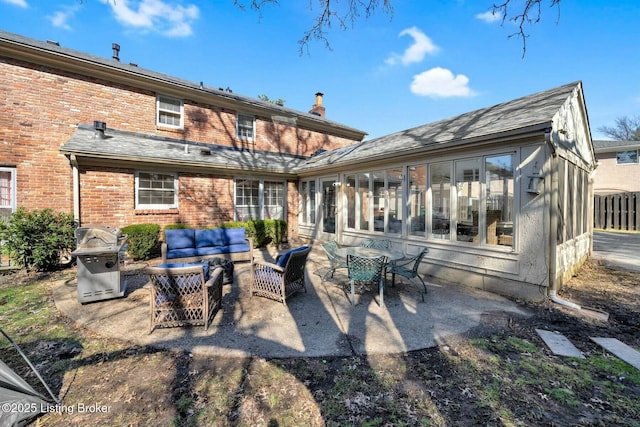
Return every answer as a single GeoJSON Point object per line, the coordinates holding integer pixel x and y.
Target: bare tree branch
{"type": "Point", "coordinates": [626, 129]}
{"type": "Point", "coordinates": [529, 14]}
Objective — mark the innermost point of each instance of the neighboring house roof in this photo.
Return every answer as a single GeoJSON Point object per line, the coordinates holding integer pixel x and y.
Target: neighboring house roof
{"type": "Point", "coordinates": [601, 146]}
{"type": "Point", "coordinates": [51, 54]}
{"type": "Point", "coordinates": [530, 113]}
{"type": "Point", "coordinates": [120, 145]}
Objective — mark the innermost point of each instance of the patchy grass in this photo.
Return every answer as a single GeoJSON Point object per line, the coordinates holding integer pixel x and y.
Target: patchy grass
{"type": "Point", "coordinates": [500, 374]}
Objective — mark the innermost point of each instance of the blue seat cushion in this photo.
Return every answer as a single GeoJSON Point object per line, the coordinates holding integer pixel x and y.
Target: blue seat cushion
{"type": "Point", "coordinates": [209, 237]}
{"type": "Point", "coordinates": [234, 236]}
{"type": "Point", "coordinates": [282, 260]}
{"type": "Point", "coordinates": [211, 250]}
{"type": "Point", "coordinates": [180, 238]}
{"type": "Point", "coordinates": [182, 253]}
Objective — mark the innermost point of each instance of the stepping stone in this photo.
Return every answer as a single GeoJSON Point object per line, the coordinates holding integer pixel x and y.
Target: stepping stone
{"type": "Point", "coordinates": [559, 344]}
{"type": "Point", "coordinates": [620, 349]}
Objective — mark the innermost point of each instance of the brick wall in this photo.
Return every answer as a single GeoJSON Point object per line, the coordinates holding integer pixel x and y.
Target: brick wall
{"type": "Point", "coordinates": [40, 108]}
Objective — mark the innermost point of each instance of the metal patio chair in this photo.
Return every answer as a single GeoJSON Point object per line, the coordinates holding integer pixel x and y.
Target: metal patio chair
{"type": "Point", "coordinates": [376, 243]}
{"type": "Point", "coordinates": [335, 262]}
{"type": "Point", "coordinates": [182, 295]}
{"type": "Point", "coordinates": [366, 270]}
{"type": "Point", "coordinates": [281, 279]}
{"type": "Point", "coordinates": [408, 268]}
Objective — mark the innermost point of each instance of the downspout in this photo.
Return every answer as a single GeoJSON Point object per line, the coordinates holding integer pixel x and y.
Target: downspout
{"type": "Point", "coordinates": [553, 227]}
{"type": "Point", "coordinates": [76, 188]}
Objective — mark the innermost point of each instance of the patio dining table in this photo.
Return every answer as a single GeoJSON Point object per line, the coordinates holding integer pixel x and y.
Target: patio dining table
{"type": "Point", "coordinates": [372, 253]}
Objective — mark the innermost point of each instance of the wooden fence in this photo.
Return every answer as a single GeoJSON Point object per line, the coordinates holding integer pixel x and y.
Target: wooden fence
{"type": "Point", "coordinates": [620, 211]}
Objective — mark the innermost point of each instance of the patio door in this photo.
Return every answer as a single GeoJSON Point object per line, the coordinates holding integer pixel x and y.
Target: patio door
{"type": "Point", "coordinates": [328, 206]}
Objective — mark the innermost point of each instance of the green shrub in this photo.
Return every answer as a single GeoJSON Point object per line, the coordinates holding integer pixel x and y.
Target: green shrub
{"type": "Point", "coordinates": [142, 241]}
{"type": "Point", "coordinates": [35, 240]}
{"type": "Point", "coordinates": [277, 230]}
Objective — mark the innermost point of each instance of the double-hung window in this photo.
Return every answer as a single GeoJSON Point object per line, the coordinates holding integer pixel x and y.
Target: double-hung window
{"type": "Point", "coordinates": [245, 126]}
{"type": "Point", "coordinates": [259, 199]}
{"type": "Point", "coordinates": [156, 190]}
{"type": "Point", "coordinates": [169, 112]}
{"type": "Point", "coordinates": [7, 192]}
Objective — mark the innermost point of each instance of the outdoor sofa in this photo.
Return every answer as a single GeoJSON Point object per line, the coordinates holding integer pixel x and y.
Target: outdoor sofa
{"type": "Point", "coordinates": [190, 245]}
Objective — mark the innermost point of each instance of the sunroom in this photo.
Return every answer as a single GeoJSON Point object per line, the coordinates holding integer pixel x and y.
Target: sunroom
{"type": "Point", "coordinates": [500, 196]}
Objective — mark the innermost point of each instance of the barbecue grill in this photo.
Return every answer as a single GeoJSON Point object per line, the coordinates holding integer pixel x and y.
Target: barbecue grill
{"type": "Point", "coordinates": [100, 257]}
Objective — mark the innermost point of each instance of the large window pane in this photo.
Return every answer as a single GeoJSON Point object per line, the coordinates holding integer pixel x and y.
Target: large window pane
{"type": "Point", "coordinates": [329, 207]}
{"type": "Point", "coordinates": [499, 188]}
{"type": "Point", "coordinates": [351, 201]}
{"type": "Point", "coordinates": [440, 178]}
{"type": "Point", "coordinates": [312, 202]}
{"type": "Point", "coordinates": [468, 199]}
{"type": "Point", "coordinates": [378, 201]}
{"type": "Point", "coordinates": [394, 194]}
{"type": "Point", "coordinates": [304, 196]}
{"type": "Point", "coordinates": [417, 199]}
{"type": "Point", "coordinates": [365, 201]}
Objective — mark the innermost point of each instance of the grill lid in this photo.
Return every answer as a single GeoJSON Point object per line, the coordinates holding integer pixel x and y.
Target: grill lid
{"type": "Point", "coordinates": [99, 237]}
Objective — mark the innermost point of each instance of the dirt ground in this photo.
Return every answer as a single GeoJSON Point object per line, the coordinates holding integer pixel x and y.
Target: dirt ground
{"type": "Point", "coordinates": [499, 374]}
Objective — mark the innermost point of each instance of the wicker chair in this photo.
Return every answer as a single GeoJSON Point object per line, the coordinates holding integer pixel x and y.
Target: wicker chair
{"type": "Point", "coordinates": [335, 262]}
{"type": "Point", "coordinates": [376, 243]}
{"type": "Point", "coordinates": [408, 269]}
{"type": "Point", "coordinates": [180, 294]}
{"type": "Point", "coordinates": [366, 270]}
{"type": "Point", "coordinates": [280, 280]}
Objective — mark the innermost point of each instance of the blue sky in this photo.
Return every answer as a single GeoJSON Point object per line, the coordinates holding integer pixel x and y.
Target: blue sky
{"type": "Point", "coordinates": [430, 60]}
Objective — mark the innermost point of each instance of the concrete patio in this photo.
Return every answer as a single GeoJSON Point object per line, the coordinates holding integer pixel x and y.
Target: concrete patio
{"type": "Point", "coordinates": [320, 322]}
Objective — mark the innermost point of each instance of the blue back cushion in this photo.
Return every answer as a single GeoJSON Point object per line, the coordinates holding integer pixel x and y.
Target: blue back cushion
{"type": "Point", "coordinates": [234, 236]}
{"type": "Point", "coordinates": [180, 238]}
{"type": "Point", "coordinates": [282, 261]}
{"type": "Point", "coordinates": [210, 237]}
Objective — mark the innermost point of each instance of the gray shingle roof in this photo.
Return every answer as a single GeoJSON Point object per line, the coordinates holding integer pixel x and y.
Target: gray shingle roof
{"type": "Point", "coordinates": [129, 146]}
{"type": "Point", "coordinates": [530, 112]}
{"type": "Point", "coordinates": [602, 146]}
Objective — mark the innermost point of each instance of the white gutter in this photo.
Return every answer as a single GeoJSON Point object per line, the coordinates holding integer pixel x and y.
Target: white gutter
{"type": "Point", "coordinates": [76, 188]}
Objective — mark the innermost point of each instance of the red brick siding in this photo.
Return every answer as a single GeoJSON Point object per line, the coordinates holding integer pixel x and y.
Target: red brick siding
{"type": "Point", "coordinates": [40, 108]}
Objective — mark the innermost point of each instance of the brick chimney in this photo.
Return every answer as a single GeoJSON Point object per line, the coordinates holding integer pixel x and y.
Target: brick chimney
{"type": "Point", "coordinates": [318, 109]}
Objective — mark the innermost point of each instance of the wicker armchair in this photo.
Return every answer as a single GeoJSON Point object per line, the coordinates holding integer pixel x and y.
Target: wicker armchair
{"type": "Point", "coordinates": [376, 243]}
{"type": "Point", "coordinates": [335, 262]}
{"type": "Point", "coordinates": [280, 280]}
{"type": "Point", "coordinates": [181, 294]}
{"type": "Point", "coordinates": [367, 270]}
{"type": "Point", "coordinates": [408, 269]}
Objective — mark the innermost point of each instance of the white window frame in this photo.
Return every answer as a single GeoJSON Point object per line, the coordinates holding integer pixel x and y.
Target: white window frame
{"type": "Point", "coordinates": [139, 205]}
{"type": "Point", "coordinates": [242, 130]}
{"type": "Point", "coordinates": [261, 197]}
{"type": "Point", "coordinates": [620, 155]}
{"type": "Point", "coordinates": [12, 190]}
{"type": "Point", "coordinates": [171, 100]}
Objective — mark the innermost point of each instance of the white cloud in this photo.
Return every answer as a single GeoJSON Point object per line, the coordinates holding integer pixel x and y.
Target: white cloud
{"type": "Point", "coordinates": [61, 18]}
{"type": "Point", "coordinates": [441, 83]}
{"type": "Point", "coordinates": [421, 46]}
{"type": "Point", "coordinates": [19, 3]}
{"type": "Point", "coordinates": [156, 15]}
{"type": "Point", "coordinates": [489, 17]}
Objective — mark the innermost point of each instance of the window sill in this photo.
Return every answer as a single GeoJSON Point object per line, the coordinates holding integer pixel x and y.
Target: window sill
{"type": "Point", "coordinates": [172, 211]}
